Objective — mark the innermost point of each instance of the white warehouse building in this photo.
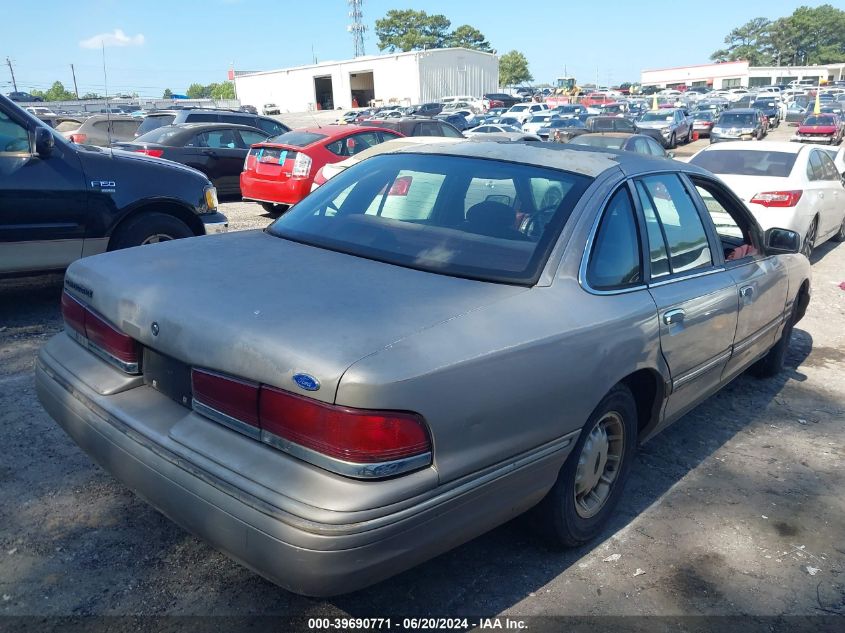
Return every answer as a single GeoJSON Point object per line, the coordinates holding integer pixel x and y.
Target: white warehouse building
{"type": "Point", "coordinates": [403, 78]}
{"type": "Point", "coordinates": [738, 73]}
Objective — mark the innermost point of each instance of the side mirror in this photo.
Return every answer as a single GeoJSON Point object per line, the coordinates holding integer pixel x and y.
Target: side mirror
{"type": "Point", "coordinates": [782, 241]}
{"type": "Point", "coordinates": [670, 154]}
{"type": "Point", "coordinates": [44, 142]}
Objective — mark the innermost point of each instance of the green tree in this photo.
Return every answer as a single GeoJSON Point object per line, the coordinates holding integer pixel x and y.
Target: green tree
{"type": "Point", "coordinates": [57, 92]}
{"type": "Point", "coordinates": [466, 36]}
{"type": "Point", "coordinates": [223, 90]}
{"type": "Point", "coordinates": [90, 95]}
{"type": "Point", "coordinates": [513, 69]}
{"type": "Point", "coordinates": [198, 91]}
{"type": "Point", "coordinates": [410, 30]}
{"type": "Point", "coordinates": [745, 42]}
{"type": "Point", "coordinates": [168, 94]}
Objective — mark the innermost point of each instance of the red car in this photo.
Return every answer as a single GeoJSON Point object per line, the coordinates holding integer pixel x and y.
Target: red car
{"type": "Point", "coordinates": [278, 173]}
{"type": "Point", "coordinates": [820, 128]}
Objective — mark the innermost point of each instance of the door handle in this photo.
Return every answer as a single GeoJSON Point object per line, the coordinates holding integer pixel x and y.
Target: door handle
{"type": "Point", "coordinates": [746, 292]}
{"type": "Point", "coordinates": [671, 317]}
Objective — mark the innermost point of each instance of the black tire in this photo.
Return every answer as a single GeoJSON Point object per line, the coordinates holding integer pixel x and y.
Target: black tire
{"type": "Point", "coordinates": [274, 209]}
{"type": "Point", "coordinates": [772, 363]}
{"type": "Point", "coordinates": [689, 136]}
{"type": "Point", "coordinates": [673, 142]}
{"type": "Point", "coordinates": [840, 235]}
{"type": "Point", "coordinates": [560, 515]}
{"type": "Point", "coordinates": [147, 228]}
{"type": "Point", "coordinates": [810, 238]}
{"type": "Point", "coordinates": [760, 134]}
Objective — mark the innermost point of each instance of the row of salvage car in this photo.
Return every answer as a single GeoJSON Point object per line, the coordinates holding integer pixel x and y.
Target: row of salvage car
{"type": "Point", "coordinates": [345, 394]}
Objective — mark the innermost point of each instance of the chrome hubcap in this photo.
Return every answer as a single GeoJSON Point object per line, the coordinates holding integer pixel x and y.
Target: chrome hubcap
{"type": "Point", "coordinates": [156, 238]}
{"type": "Point", "coordinates": [599, 464]}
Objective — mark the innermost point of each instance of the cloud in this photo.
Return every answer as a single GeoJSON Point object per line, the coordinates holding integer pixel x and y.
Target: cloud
{"type": "Point", "coordinates": [118, 38]}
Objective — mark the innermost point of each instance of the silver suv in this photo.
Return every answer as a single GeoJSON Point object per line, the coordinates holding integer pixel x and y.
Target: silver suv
{"type": "Point", "coordinates": [672, 123]}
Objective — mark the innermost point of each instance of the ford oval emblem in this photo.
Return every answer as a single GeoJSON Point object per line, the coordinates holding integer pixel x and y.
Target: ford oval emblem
{"type": "Point", "coordinates": [306, 381]}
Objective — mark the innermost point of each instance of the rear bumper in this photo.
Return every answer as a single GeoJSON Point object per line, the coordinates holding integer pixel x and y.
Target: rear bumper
{"type": "Point", "coordinates": [302, 553]}
{"type": "Point", "coordinates": [287, 191]}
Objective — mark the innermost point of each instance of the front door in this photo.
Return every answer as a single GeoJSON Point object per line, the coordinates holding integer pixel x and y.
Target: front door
{"type": "Point", "coordinates": [762, 281]}
{"type": "Point", "coordinates": [42, 200]}
{"type": "Point", "coordinates": [696, 297]}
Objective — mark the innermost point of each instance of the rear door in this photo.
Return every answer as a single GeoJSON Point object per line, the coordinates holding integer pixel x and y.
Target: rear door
{"type": "Point", "coordinates": [222, 152]}
{"type": "Point", "coordinates": [696, 297]}
{"type": "Point", "coordinates": [834, 196]}
{"type": "Point", "coordinates": [43, 201]}
{"type": "Point", "coordinates": [821, 190]}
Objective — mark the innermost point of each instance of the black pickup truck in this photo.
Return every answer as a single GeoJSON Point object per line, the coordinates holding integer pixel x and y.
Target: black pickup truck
{"type": "Point", "coordinates": [60, 201]}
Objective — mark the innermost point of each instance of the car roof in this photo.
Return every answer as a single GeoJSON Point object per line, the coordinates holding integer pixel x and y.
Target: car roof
{"type": "Point", "coordinates": [193, 127]}
{"type": "Point", "coordinates": [584, 160]}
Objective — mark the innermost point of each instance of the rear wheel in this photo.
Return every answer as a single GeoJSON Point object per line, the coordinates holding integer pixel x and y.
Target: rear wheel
{"type": "Point", "coordinates": [149, 228]}
{"type": "Point", "coordinates": [673, 142]}
{"type": "Point", "coordinates": [590, 483]}
{"type": "Point", "coordinates": [810, 238]}
{"type": "Point", "coordinates": [274, 209]}
{"type": "Point", "coordinates": [689, 135]}
{"type": "Point", "coordinates": [772, 363]}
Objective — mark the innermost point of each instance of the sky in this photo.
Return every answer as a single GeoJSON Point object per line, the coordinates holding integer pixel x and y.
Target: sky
{"type": "Point", "coordinates": [153, 45]}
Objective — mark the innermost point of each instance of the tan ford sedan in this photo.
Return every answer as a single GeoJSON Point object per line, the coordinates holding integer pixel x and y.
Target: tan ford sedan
{"type": "Point", "coordinates": [431, 343]}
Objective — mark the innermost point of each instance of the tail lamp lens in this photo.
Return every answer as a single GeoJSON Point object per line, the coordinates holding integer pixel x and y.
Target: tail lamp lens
{"type": "Point", "coordinates": [78, 138]}
{"type": "Point", "coordinates": [156, 153]}
{"type": "Point", "coordinates": [301, 166]}
{"type": "Point", "coordinates": [100, 336]}
{"type": "Point", "coordinates": [356, 442]}
{"type": "Point", "coordinates": [778, 198]}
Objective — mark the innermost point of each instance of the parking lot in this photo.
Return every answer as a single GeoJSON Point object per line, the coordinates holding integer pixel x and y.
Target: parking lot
{"type": "Point", "coordinates": [736, 509]}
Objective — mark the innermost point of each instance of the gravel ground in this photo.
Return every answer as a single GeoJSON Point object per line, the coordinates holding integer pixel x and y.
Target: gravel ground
{"type": "Point", "coordinates": [736, 509]}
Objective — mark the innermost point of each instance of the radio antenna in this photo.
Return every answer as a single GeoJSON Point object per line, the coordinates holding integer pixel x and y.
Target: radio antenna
{"type": "Point", "coordinates": [106, 88]}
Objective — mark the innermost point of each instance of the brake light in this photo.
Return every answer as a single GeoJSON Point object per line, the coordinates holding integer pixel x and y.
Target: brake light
{"type": "Point", "coordinates": [98, 335]}
{"type": "Point", "coordinates": [778, 198]}
{"type": "Point", "coordinates": [301, 166]}
{"type": "Point", "coordinates": [78, 138]}
{"type": "Point", "coordinates": [249, 161]}
{"type": "Point", "coordinates": [356, 442]}
{"type": "Point", "coordinates": [319, 179]}
{"type": "Point", "coordinates": [157, 153]}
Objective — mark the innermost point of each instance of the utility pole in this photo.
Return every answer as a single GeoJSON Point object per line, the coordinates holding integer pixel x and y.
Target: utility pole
{"type": "Point", "coordinates": [357, 28]}
{"type": "Point", "coordinates": [75, 89]}
{"type": "Point", "coordinates": [12, 70]}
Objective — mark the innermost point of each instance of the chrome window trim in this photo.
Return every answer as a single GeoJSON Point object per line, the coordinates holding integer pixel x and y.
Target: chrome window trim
{"type": "Point", "coordinates": [683, 277]}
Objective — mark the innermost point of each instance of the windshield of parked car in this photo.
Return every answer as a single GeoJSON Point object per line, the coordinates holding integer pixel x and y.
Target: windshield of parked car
{"type": "Point", "coordinates": [460, 216]}
{"type": "Point", "coordinates": [818, 120]}
{"type": "Point", "coordinates": [735, 118]}
{"type": "Point", "coordinates": [518, 108]}
{"type": "Point", "coordinates": [746, 162]}
{"type": "Point", "coordinates": [297, 138]}
{"type": "Point", "coordinates": [658, 116]}
{"type": "Point", "coordinates": [153, 122]}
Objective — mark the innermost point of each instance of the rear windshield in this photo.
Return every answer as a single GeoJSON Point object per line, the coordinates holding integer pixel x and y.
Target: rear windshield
{"type": "Point", "coordinates": [297, 138]}
{"type": "Point", "coordinates": [458, 216]}
{"type": "Point", "coordinates": [818, 120]}
{"type": "Point", "coordinates": [153, 122]}
{"type": "Point", "coordinates": [518, 108]}
{"type": "Point", "coordinates": [736, 118]}
{"type": "Point", "coordinates": [765, 103]}
{"type": "Point", "coordinates": [703, 116]}
{"type": "Point", "coordinates": [160, 135]}
{"type": "Point", "coordinates": [607, 142]}
{"type": "Point", "coordinates": [746, 162]}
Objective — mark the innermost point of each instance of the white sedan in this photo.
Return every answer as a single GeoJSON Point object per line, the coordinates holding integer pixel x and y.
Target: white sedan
{"type": "Point", "coordinates": [790, 185]}
{"type": "Point", "coordinates": [538, 120]}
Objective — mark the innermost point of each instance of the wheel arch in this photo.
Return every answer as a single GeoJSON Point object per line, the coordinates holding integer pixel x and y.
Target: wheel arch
{"type": "Point", "coordinates": [648, 388]}
{"type": "Point", "coordinates": [169, 207]}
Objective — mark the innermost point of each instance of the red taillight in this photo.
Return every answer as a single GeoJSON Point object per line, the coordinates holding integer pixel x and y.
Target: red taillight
{"type": "Point", "coordinates": [778, 198]}
{"type": "Point", "coordinates": [356, 442]}
{"type": "Point", "coordinates": [157, 153]}
{"type": "Point", "coordinates": [235, 398]}
{"type": "Point", "coordinates": [351, 435]}
{"type": "Point", "coordinates": [319, 178]}
{"type": "Point", "coordinates": [100, 336]}
{"type": "Point", "coordinates": [78, 138]}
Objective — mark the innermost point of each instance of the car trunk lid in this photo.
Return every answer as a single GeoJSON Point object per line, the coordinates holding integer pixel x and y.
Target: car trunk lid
{"type": "Point", "coordinates": [265, 309]}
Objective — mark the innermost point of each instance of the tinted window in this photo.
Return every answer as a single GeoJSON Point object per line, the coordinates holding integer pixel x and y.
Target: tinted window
{"type": "Point", "coordinates": [815, 169]}
{"type": "Point", "coordinates": [473, 231]}
{"type": "Point", "coordinates": [297, 138]}
{"type": "Point", "coordinates": [744, 162]}
{"type": "Point", "coordinates": [202, 117]}
{"type": "Point", "coordinates": [14, 138]}
{"type": "Point", "coordinates": [448, 130]}
{"type": "Point", "coordinates": [162, 135]}
{"type": "Point", "coordinates": [658, 255]}
{"type": "Point", "coordinates": [736, 119]}
{"type": "Point", "coordinates": [679, 219]}
{"type": "Point", "coordinates": [239, 120]}
{"type": "Point", "coordinates": [428, 128]}
{"type": "Point", "coordinates": [829, 168]}
{"type": "Point", "coordinates": [354, 144]}
{"type": "Point", "coordinates": [654, 148]}
{"type": "Point", "coordinates": [124, 129]}
{"type": "Point", "coordinates": [249, 137]}
{"type": "Point", "coordinates": [153, 122]}
{"type": "Point", "coordinates": [605, 142]}
{"type": "Point", "coordinates": [218, 139]}
{"type": "Point", "coordinates": [615, 261]}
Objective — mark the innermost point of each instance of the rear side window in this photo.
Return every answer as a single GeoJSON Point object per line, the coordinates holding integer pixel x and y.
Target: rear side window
{"type": "Point", "coordinates": [273, 128]}
{"type": "Point", "coordinates": [124, 129]}
{"type": "Point", "coordinates": [815, 169]}
{"type": "Point", "coordinates": [682, 229]}
{"type": "Point", "coordinates": [202, 117]}
{"type": "Point", "coordinates": [448, 130]}
{"type": "Point", "coordinates": [615, 260]}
